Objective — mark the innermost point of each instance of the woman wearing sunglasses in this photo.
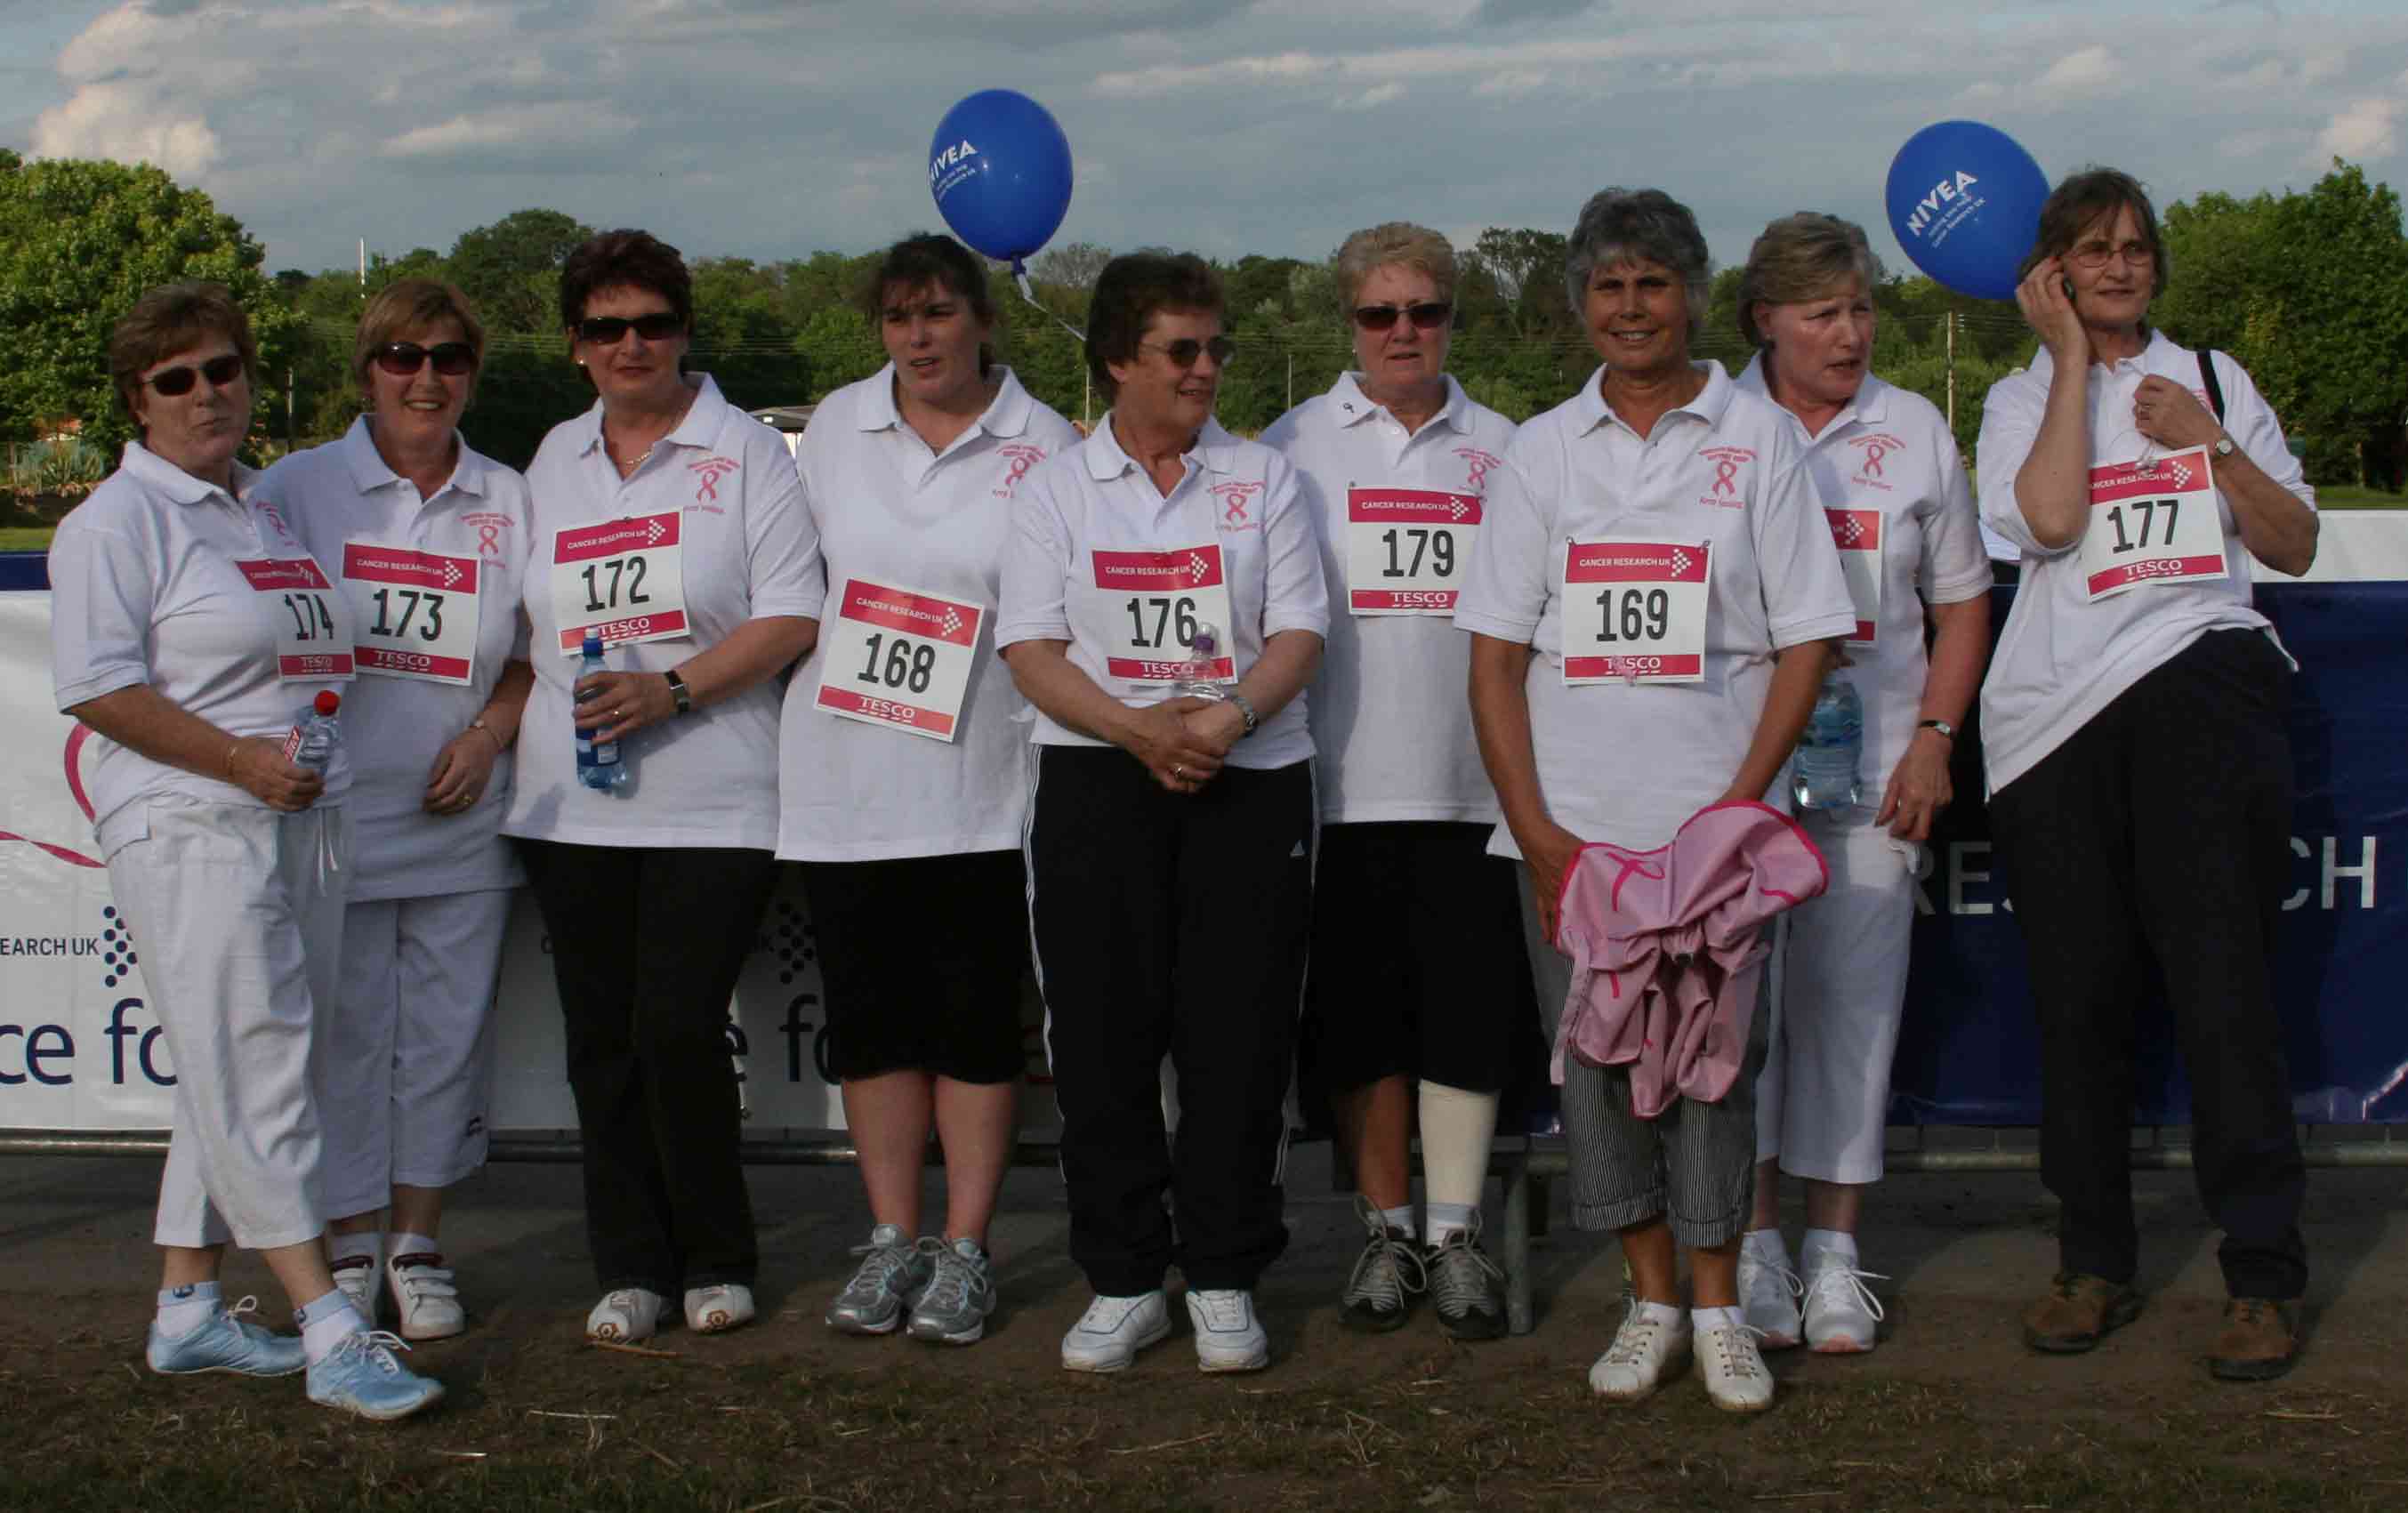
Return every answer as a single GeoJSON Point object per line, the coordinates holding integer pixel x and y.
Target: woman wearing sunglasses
{"type": "Point", "coordinates": [2140, 765]}
{"type": "Point", "coordinates": [1169, 836]}
{"type": "Point", "coordinates": [427, 540]}
{"type": "Point", "coordinates": [187, 628]}
{"type": "Point", "coordinates": [1416, 933]}
{"type": "Point", "coordinates": [671, 525]}
{"type": "Point", "coordinates": [1653, 611]}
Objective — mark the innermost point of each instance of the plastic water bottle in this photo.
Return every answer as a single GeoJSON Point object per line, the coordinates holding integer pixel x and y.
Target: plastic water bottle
{"type": "Point", "coordinates": [1195, 680]}
{"type": "Point", "coordinates": [314, 737]}
{"type": "Point", "coordinates": [1823, 775]}
{"type": "Point", "coordinates": [597, 761]}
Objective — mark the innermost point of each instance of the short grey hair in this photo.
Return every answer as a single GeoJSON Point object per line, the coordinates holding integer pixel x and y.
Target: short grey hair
{"type": "Point", "coordinates": [1804, 257]}
{"type": "Point", "coordinates": [1397, 242]}
{"type": "Point", "coordinates": [1618, 225]}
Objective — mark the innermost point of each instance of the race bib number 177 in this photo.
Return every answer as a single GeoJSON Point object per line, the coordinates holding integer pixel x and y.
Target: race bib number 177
{"type": "Point", "coordinates": [2152, 523]}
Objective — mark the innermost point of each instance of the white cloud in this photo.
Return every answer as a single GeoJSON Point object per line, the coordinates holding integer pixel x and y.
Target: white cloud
{"type": "Point", "coordinates": [513, 129]}
{"type": "Point", "coordinates": [123, 121]}
{"type": "Point", "coordinates": [2363, 130]}
{"type": "Point", "coordinates": [2087, 71]}
{"type": "Point", "coordinates": [1378, 95]}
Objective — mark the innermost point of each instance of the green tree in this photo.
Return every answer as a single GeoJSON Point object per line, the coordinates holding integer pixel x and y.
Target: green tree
{"type": "Point", "coordinates": [839, 347]}
{"type": "Point", "coordinates": [79, 241]}
{"type": "Point", "coordinates": [510, 270]}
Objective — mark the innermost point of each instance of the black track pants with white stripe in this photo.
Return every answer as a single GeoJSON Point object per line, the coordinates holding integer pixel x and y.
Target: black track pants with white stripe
{"type": "Point", "coordinates": [1170, 925]}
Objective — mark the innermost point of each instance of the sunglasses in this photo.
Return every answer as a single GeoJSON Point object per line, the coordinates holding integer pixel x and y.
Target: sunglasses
{"type": "Point", "coordinates": [609, 330]}
{"type": "Point", "coordinates": [403, 358]}
{"type": "Point", "coordinates": [1427, 315]}
{"type": "Point", "coordinates": [1186, 349]}
{"type": "Point", "coordinates": [177, 381]}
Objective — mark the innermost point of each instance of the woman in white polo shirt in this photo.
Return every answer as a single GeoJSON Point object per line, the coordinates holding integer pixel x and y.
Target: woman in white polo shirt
{"type": "Point", "coordinates": [187, 631]}
{"type": "Point", "coordinates": [1169, 840]}
{"type": "Point", "coordinates": [1893, 488]}
{"type": "Point", "coordinates": [428, 541]}
{"type": "Point", "coordinates": [1417, 934]}
{"type": "Point", "coordinates": [903, 779]}
{"type": "Point", "coordinates": [2139, 763]}
{"type": "Point", "coordinates": [1614, 700]}
{"type": "Point", "coordinates": [671, 525]}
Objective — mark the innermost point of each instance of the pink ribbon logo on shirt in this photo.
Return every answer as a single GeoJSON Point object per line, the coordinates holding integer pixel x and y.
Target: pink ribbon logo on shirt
{"type": "Point", "coordinates": [1874, 452]}
{"type": "Point", "coordinates": [710, 470]}
{"type": "Point", "coordinates": [1023, 457]}
{"type": "Point", "coordinates": [1234, 499]}
{"type": "Point", "coordinates": [1476, 464]}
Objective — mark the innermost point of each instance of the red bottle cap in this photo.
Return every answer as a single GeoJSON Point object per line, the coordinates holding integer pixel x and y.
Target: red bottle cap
{"type": "Point", "coordinates": [328, 702]}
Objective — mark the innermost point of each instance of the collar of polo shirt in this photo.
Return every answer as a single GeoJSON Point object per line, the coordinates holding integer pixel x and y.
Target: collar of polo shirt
{"type": "Point", "coordinates": [1107, 461]}
{"type": "Point", "coordinates": [1006, 414]}
{"type": "Point", "coordinates": [704, 418]}
{"type": "Point", "coordinates": [1709, 406]}
{"type": "Point", "coordinates": [370, 470]}
{"type": "Point", "coordinates": [173, 481]}
{"type": "Point", "coordinates": [1870, 408]}
{"type": "Point", "coordinates": [1355, 406]}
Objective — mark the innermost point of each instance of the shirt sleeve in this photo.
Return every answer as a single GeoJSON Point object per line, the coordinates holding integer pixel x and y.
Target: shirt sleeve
{"type": "Point", "coordinates": [1798, 565]}
{"type": "Point", "coordinates": [2011, 417]}
{"type": "Point", "coordinates": [2256, 430]}
{"type": "Point", "coordinates": [1295, 591]}
{"type": "Point", "coordinates": [1956, 561]}
{"type": "Point", "coordinates": [1036, 558]}
{"type": "Point", "coordinates": [102, 594]}
{"type": "Point", "coordinates": [1506, 584]}
{"type": "Point", "coordinates": [782, 545]}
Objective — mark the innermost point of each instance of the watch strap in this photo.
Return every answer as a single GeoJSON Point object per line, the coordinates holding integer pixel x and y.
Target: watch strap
{"type": "Point", "coordinates": [1247, 709]}
{"type": "Point", "coordinates": [1942, 727]}
{"type": "Point", "coordinates": [677, 691]}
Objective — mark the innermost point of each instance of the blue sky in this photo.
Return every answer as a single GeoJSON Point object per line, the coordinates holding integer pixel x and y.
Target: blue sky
{"type": "Point", "coordinates": [768, 129]}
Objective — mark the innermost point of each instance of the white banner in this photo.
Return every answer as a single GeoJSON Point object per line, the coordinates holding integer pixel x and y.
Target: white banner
{"type": "Point", "coordinates": [79, 1050]}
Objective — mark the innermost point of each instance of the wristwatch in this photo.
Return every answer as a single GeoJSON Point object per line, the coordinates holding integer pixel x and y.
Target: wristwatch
{"type": "Point", "coordinates": [677, 692]}
{"type": "Point", "coordinates": [1246, 709]}
{"type": "Point", "coordinates": [2224, 447]}
{"type": "Point", "coordinates": [1942, 727]}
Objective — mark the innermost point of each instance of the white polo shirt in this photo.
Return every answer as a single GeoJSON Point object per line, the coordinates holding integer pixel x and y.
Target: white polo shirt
{"type": "Point", "coordinates": [705, 780]}
{"type": "Point", "coordinates": [1100, 558]}
{"type": "Point", "coordinates": [2063, 659]}
{"type": "Point", "coordinates": [342, 495]}
{"type": "Point", "coordinates": [1890, 456]}
{"type": "Point", "coordinates": [145, 590]}
{"type": "Point", "coordinates": [1629, 763]}
{"type": "Point", "coordinates": [1391, 722]}
{"type": "Point", "coordinates": [890, 511]}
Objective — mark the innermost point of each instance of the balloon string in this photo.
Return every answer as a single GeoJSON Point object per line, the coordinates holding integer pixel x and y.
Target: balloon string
{"type": "Point", "coordinates": [1020, 277]}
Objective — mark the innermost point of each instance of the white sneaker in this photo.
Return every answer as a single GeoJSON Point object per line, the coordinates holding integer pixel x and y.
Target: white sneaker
{"type": "Point", "coordinates": [1228, 1336]}
{"type": "Point", "coordinates": [715, 1310]}
{"type": "Point", "coordinates": [1108, 1334]}
{"type": "Point", "coordinates": [1651, 1338]}
{"type": "Point", "coordinates": [423, 1297]}
{"type": "Point", "coordinates": [1842, 1315]}
{"type": "Point", "coordinates": [626, 1316]}
{"type": "Point", "coordinates": [355, 1273]}
{"type": "Point", "coordinates": [1734, 1371]}
{"type": "Point", "coordinates": [1769, 1291]}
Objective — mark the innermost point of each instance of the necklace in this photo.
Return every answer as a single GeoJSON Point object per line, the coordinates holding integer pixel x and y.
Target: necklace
{"type": "Point", "coordinates": [629, 464]}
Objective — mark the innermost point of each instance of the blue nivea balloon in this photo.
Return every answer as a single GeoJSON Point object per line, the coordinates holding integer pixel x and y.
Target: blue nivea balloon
{"type": "Point", "coordinates": [1964, 201]}
{"type": "Point", "coordinates": [999, 167]}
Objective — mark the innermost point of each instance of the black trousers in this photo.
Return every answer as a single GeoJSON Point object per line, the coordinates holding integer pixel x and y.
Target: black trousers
{"type": "Point", "coordinates": [1167, 925]}
{"type": "Point", "coordinates": [646, 945]}
{"type": "Point", "coordinates": [2157, 840]}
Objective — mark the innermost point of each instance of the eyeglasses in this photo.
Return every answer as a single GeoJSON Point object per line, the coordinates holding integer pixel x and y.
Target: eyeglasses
{"type": "Point", "coordinates": [1186, 349]}
{"type": "Point", "coordinates": [403, 358]}
{"type": "Point", "coordinates": [609, 330]}
{"type": "Point", "coordinates": [2098, 254]}
{"type": "Point", "coordinates": [177, 381]}
{"type": "Point", "coordinates": [1429, 315]}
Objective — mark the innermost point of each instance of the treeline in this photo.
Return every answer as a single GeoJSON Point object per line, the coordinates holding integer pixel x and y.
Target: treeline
{"type": "Point", "coordinates": [2308, 290]}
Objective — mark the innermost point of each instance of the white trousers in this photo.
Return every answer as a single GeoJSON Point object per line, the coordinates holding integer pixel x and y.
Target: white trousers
{"type": "Point", "coordinates": [1823, 1099]}
{"type": "Point", "coordinates": [238, 917]}
{"type": "Point", "coordinates": [406, 1078]}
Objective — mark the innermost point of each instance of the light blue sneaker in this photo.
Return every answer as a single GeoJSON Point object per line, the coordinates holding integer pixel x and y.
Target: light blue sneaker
{"type": "Point", "coordinates": [228, 1342]}
{"type": "Point", "coordinates": [365, 1378]}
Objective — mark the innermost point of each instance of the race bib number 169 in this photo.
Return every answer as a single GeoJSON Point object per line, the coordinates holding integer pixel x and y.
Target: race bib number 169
{"type": "Point", "coordinates": [1635, 611]}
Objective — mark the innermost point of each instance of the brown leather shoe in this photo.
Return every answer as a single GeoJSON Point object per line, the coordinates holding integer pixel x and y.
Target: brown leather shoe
{"type": "Point", "coordinates": [2259, 1340]}
{"type": "Point", "coordinates": [2077, 1312]}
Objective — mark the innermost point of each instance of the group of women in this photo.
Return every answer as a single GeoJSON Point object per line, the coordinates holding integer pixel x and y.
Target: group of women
{"type": "Point", "coordinates": [1175, 712]}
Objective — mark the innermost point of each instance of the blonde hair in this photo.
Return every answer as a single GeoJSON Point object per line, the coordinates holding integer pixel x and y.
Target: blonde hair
{"type": "Point", "coordinates": [413, 304]}
{"type": "Point", "coordinates": [1800, 257]}
{"type": "Point", "coordinates": [1397, 242]}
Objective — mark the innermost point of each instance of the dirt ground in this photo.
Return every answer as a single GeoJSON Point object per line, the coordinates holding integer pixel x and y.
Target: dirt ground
{"type": "Point", "coordinates": [1949, 1413]}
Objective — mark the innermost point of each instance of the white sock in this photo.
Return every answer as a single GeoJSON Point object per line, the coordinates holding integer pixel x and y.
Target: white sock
{"type": "Point", "coordinates": [1766, 1245]}
{"type": "Point", "coordinates": [1718, 1319]}
{"type": "Point", "coordinates": [183, 1310]}
{"type": "Point", "coordinates": [1667, 1314]}
{"type": "Point", "coordinates": [1399, 1219]}
{"type": "Point", "coordinates": [327, 1323]}
{"type": "Point", "coordinates": [1457, 1127]}
{"type": "Point", "coordinates": [1836, 1243]}
{"type": "Point", "coordinates": [1447, 1219]}
{"type": "Point", "coordinates": [413, 1245]}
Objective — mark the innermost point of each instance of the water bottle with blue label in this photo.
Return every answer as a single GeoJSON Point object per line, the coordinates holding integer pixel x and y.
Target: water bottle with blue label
{"type": "Point", "coordinates": [598, 766]}
{"type": "Point", "coordinates": [314, 738]}
{"type": "Point", "coordinates": [1195, 680]}
{"type": "Point", "coordinates": [1822, 773]}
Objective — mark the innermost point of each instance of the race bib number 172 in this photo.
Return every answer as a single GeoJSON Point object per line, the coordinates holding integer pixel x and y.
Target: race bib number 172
{"type": "Point", "coordinates": [623, 579]}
